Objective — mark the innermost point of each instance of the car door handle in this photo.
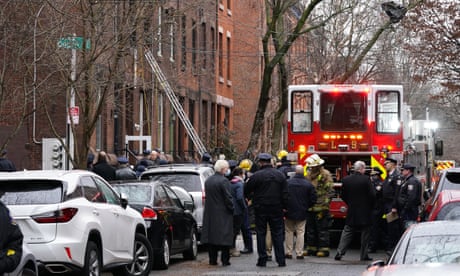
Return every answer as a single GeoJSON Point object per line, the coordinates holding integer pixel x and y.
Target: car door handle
{"type": "Point", "coordinates": [96, 212]}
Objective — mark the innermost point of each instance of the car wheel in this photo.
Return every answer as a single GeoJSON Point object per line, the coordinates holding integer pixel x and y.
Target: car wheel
{"type": "Point", "coordinates": [92, 260]}
{"type": "Point", "coordinates": [161, 260]}
{"type": "Point", "coordinates": [142, 260]}
{"type": "Point", "coordinates": [192, 251]}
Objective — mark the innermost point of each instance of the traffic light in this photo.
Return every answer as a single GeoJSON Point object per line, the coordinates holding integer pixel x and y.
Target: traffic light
{"type": "Point", "coordinates": [57, 157]}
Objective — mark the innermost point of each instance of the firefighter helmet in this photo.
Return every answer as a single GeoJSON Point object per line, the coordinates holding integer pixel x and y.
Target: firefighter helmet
{"type": "Point", "coordinates": [314, 160]}
{"type": "Point", "coordinates": [246, 164]}
{"type": "Point", "coordinates": [281, 154]}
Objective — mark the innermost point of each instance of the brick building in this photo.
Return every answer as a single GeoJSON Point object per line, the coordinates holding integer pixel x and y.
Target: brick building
{"type": "Point", "coordinates": [208, 50]}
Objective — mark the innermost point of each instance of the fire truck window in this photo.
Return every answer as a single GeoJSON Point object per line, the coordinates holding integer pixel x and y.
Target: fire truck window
{"type": "Point", "coordinates": [343, 111]}
{"type": "Point", "coordinates": [301, 111]}
{"type": "Point", "coordinates": [388, 111]}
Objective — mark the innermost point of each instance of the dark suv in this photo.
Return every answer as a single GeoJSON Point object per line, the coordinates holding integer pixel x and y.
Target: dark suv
{"type": "Point", "coordinates": [190, 177]}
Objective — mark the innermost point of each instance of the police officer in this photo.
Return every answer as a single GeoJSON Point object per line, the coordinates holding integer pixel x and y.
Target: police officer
{"type": "Point", "coordinates": [267, 188]}
{"type": "Point", "coordinates": [10, 242]}
{"type": "Point", "coordinates": [378, 222]}
{"type": "Point", "coordinates": [390, 187]}
{"type": "Point", "coordinates": [409, 196]}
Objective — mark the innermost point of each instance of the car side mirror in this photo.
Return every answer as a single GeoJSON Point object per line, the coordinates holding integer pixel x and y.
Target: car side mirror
{"type": "Point", "coordinates": [124, 200]}
{"type": "Point", "coordinates": [188, 205]}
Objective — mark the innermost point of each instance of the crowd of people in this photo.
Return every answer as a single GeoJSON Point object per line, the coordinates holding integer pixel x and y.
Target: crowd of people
{"type": "Point", "coordinates": [291, 208]}
{"type": "Point", "coordinates": [290, 204]}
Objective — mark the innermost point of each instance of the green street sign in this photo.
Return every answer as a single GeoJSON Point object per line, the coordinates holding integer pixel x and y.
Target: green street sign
{"type": "Point", "coordinates": [74, 42]}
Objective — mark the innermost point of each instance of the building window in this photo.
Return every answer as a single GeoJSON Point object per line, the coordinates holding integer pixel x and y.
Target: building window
{"type": "Point", "coordinates": [203, 45]}
{"type": "Point", "coordinates": [229, 7]}
{"type": "Point", "coordinates": [172, 40]}
{"type": "Point", "coordinates": [213, 48]}
{"type": "Point", "coordinates": [184, 43]}
{"type": "Point", "coordinates": [194, 48]}
{"type": "Point", "coordinates": [160, 14]}
{"type": "Point", "coordinates": [229, 59]}
{"type": "Point", "coordinates": [221, 53]}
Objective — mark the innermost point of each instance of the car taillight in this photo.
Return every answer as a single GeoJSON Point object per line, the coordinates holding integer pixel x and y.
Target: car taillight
{"type": "Point", "coordinates": [58, 216]}
{"type": "Point", "coordinates": [149, 213]}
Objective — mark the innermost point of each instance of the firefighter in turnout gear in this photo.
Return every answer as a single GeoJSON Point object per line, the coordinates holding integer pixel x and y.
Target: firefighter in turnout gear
{"type": "Point", "coordinates": [318, 216]}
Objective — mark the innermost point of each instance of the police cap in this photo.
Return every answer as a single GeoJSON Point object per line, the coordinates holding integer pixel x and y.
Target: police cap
{"type": "Point", "coordinates": [122, 160]}
{"type": "Point", "coordinates": [408, 167]}
{"type": "Point", "coordinates": [391, 160]}
{"type": "Point", "coordinates": [265, 156]}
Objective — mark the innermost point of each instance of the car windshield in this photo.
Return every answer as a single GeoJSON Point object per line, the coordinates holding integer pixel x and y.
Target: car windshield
{"type": "Point", "coordinates": [433, 249]}
{"type": "Point", "coordinates": [449, 212]}
{"type": "Point", "coordinates": [135, 193]}
{"type": "Point", "coordinates": [189, 181]}
{"type": "Point", "coordinates": [30, 192]}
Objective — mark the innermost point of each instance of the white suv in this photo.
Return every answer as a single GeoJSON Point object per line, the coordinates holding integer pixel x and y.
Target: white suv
{"type": "Point", "coordinates": [75, 221]}
{"type": "Point", "coordinates": [190, 177]}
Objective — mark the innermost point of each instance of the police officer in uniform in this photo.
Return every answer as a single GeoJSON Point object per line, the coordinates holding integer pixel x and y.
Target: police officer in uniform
{"type": "Point", "coordinates": [390, 187]}
{"type": "Point", "coordinates": [267, 188]}
{"type": "Point", "coordinates": [409, 196]}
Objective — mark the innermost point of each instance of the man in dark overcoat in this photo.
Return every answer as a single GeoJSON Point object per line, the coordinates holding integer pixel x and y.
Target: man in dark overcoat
{"type": "Point", "coordinates": [359, 194]}
{"type": "Point", "coordinates": [217, 230]}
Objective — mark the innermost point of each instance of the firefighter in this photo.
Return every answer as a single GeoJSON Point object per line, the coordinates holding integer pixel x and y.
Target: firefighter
{"type": "Point", "coordinates": [318, 216]}
{"type": "Point", "coordinates": [284, 164]}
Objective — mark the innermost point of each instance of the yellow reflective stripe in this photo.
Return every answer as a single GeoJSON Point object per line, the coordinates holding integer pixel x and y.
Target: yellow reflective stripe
{"type": "Point", "coordinates": [376, 163]}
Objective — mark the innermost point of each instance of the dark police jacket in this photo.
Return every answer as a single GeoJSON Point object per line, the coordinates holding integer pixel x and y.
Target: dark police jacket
{"type": "Point", "coordinates": [10, 242]}
{"type": "Point", "coordinates": [267, 188]}
{"type": "Point", "coordinates": [409, 198]}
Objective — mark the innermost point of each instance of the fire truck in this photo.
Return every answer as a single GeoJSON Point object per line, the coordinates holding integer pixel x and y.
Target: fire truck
{"type": "Point", "coordinates": [343, 124]}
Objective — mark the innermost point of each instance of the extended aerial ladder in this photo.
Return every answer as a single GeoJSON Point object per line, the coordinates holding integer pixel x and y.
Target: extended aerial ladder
{"type": "Point", "coordinates": [175, 102]}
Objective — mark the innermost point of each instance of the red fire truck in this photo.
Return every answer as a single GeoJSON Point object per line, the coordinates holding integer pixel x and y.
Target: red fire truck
{"type": "Point", "coordinates": [343, 124]}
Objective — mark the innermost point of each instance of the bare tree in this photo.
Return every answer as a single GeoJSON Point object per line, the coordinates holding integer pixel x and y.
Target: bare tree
{"type": "Point", "coordinates": [433, 42]}
{"type": "Point", "coordinates": [342, 32]}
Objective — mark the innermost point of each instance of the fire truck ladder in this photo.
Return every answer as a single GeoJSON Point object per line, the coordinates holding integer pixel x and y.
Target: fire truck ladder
{"type": "Point", "coordinates": [175, 102]}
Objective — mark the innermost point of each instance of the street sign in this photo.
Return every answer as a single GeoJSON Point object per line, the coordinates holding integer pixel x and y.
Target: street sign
{"type": "Point", "coordinates": [74, 42]}
{"type": "Point", "coordinates": [74, 112]}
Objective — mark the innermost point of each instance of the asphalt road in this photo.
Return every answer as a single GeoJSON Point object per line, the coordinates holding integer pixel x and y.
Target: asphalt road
{"type": "Point", "coordinates": [245, 265]}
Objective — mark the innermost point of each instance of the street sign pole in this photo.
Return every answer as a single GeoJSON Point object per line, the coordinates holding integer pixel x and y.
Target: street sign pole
{"type": "Point", "coordinates": [73, 43]}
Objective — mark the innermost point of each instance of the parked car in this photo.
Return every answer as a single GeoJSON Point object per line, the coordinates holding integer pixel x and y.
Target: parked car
{"type": "Point", "coordinates": [171, 225]}
{"type": "Point", "coordinates": [446, 206]}
{"type": "Point", "coordinates": [427, 248]}
{"type": "Point", "coordinates": [75, 221]}
{"type": "Point", "coordinates": [191, 177]}
{"type": "Point", "coordinates": [28, 265]}
{"type": "Point", "coordinates": [448, 180]}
